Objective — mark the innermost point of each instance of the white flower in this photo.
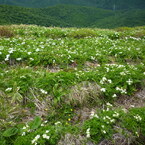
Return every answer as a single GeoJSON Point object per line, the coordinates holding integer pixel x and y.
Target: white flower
{"type": "Point", "coordinates": [24, 133]}
{"type": "Point", "coordinates": [7, 57]}
{"type": "Point", "coordinates": [8, 89]}
{"type": "Point", "coordinates": [122, 73]}
{"type": "Point", "coordinates": [114, 96]}
{"type": "Point", "coordinates": [47, 131]}
{"type": "Point", "coordinates": [42, 124]}
{"type": "Point", "coordinates": [45, 121]}
{"type": "Point", "coordinates": [144, 73]}
{"type": "Point", "coordinates": [57, 123]}
{"type": "Point", "coordinates": [88, 133]}
{"type": "Point", "coordinates": [102, 126]}
{"type": "Point", "coordinates": [138, 118]}
{"type": "Point", "coordinates": [108, 117]}
{"type": "Point", "coordinates": [108, 104]}
{"type": "Point", "coordinates": [103, 89]}
{"type": "Point", "coordinates": [35, 139]}
{"type": "Point", "coordinates": [43, 91]}
{"type": "Point", "coordinates": [22, 77]}
{"type": "Point", "coordinates": [32, 59]}
{"type": "Point", "coordinates": [45, 136]}
{"type": "Point", "coordinates": [110, 81]}
{"type": "Point", "coordinates": [29, 53]}
{"type": "Point", "coordinates": [96, 116]}
{"type": "Point", "coordinates": [24, 127]}
{"type": "Point", "coordinates": [92, 114]}
{"type": "Point", "coordinates": [112, 120]}
{"type": "Point", "coordinates": [104, 131]}
{"type": "Point", "coordinates": [123, 91]}
{"type": "Point", "coordinates": [129, 82]}
{"type": "Point", "coordinates": [117, 88]}
{"type": "Point", "coordinates": [137, 133]}
{"type": "Point", "coordinates": [104, 78]}
{"type": "Point", "coordinates": [37, 49]}
{"type": "Point", "coordinates": [18, 59]}
{"type": "Point", "coordinates": [116, 114]}
{"type": "Point", "coordinates": [0, 52]}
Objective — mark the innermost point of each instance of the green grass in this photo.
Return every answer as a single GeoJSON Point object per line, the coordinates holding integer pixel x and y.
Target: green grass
{"type": "Point", "coordinates": [51, 74]}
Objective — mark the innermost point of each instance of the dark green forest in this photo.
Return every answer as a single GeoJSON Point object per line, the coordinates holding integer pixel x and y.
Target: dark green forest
{"type": "Point", "coordinates": [105, 4]}
{"type": "Point", "coordinates": [71, 16]}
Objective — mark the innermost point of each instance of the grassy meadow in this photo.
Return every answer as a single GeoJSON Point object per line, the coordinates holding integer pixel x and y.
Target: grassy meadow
{"type": "Point", "coordinates": [71, 86]}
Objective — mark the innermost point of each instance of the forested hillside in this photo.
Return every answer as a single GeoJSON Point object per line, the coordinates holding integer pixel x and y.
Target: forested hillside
{"type": "Point", "coordinates": [71, 16]}
{"type": "Point", "coordinates": [107, 4]}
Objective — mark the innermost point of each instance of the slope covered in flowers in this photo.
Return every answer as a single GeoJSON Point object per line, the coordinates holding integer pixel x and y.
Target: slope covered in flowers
{"type": "Point", "coordinates": [50, 75]}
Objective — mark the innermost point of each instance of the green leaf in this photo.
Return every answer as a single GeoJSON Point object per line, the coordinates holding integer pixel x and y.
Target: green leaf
{"type": "Point", "coordinates": [35, 123]}
{"type": "Point", "coordinates": [10, 132]}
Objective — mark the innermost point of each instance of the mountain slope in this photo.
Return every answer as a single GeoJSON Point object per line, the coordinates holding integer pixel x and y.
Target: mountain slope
{"type": "Point", "coordinates": [129, 18]}
{"type": "Point", "coordinates": [71, 16]}
{"type": "Point", "coordinates": [107, 4]}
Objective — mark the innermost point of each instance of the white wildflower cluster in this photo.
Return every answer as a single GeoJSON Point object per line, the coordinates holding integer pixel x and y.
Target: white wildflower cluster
{"type": "Point", "coordinates": [44, 123]}
{"type": "Point", "coordinates": [105, 80]}
{"type": "Point", "coordinates": [34, 141]}
{"type": "Point", "coordinates": [138, 118]}
{"type": "Point", "coordinates": [25, 129]}
{"type": "Point", "coordinates": [88, 135]}
{"type": "Point", "coordinates": [103, 129]}
{"type": "Point", "coordinates": [11, 50]}
{"type": "Point", "coordinates": [109, 105]}
{"type": "Point", "coordinates": [116, 114]}
{"type": "Point", "coordinates": [43, 91]}
{"type": "Point", "coordinates": [7, 57]}
{"type": "Point", "coordinates": [122, 91]}
{"type": "Point", "coordinates": [108, 119]}
{"type": "Point", "coordinates": [92, 115]}
{"type": "Point", "coordinates": [45, 135]}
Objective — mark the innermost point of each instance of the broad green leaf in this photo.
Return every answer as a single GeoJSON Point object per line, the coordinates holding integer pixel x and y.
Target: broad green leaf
{"type": "Point", "coordinates": [10, 132]}
{"type": "Point", "coordinates": [35, 123]}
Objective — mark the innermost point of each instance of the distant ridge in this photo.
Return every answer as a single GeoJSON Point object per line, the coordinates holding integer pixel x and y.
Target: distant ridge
{"type": "Point", "coordinates": [71, 16]}
{"type": "Point", "coordinates": [105, 4]}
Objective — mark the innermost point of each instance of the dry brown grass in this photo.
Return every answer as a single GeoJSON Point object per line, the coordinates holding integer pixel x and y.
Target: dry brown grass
{"type": "Point", "coordinates": [84, 94]}
{"type": "Point", "coordinates": [6, 32]}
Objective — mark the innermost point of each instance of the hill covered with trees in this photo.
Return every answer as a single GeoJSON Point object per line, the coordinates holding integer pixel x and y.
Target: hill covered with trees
{"type": "Point", "coordinates": [71, 16]}
{"type": "Point", "coordinates": [106, 4]}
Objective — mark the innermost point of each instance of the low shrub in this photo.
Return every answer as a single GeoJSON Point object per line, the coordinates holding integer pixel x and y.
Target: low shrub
{"type": "Point", "coordinates": [6, 32]}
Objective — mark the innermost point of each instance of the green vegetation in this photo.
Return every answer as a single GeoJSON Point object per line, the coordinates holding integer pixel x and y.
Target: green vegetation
{"type": "Point", "coordinates": [71, 16]}
{"type": "Point", "coordinates": [62, 85]}
{"type": "Point", "coordinates": [105, 4]}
